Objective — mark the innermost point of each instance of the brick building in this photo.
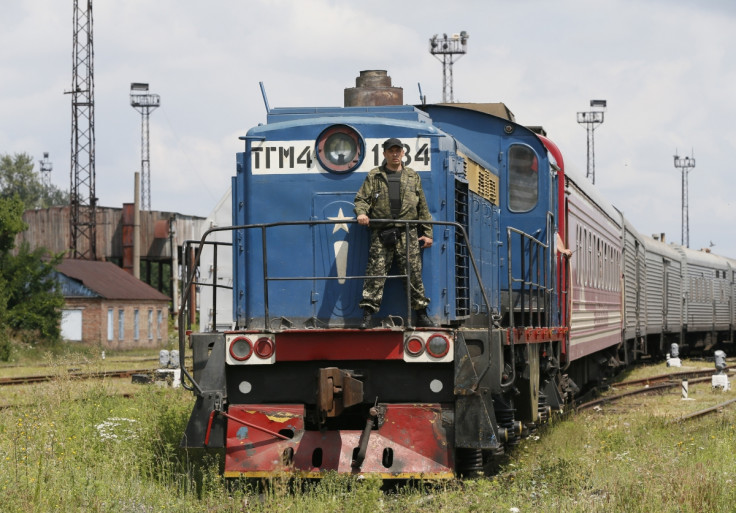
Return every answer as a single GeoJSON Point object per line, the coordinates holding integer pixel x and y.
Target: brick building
{"type": "Point", "coordinates": [107, 306]}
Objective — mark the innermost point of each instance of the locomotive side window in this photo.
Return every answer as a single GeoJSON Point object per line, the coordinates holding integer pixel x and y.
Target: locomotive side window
{"type": "Point", "coordinates": [523, 178]}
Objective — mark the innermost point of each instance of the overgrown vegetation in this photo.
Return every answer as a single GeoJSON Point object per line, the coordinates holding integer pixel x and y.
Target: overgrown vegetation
{"type": "Point", "coordinates": [30, 301]}
{"type": "Point", "coordinates": [79, 447]}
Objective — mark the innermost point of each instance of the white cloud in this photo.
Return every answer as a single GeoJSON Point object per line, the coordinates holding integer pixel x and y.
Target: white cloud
{"type": "Point", "coordinates": [666, 68]}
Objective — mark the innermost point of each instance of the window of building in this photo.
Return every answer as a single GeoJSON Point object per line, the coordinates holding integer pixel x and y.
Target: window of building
{"type": "Point", "coordinates": [110, 323]}
{"type": "Point", "coordinates": [150, 324]}
{"type": "Point", "coordinates": [121, 324]}
{"type": "Point", "coordinates": [159, 322]}
{"type": "Point", "coordinates": [136, 325]}
{"type": "Point", "coordinates": [523, 178]}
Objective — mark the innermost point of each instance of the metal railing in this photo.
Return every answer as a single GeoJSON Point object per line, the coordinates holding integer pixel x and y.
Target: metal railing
{"type": "Point", "coordinates": [532, 297]}
{"type": "Point", "coordinates": [263, 227]}
{"type": "Point", "coordinates": [187, 246]}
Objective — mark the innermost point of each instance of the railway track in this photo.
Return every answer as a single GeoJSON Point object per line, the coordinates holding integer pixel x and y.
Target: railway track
{"type": "Point", "coordinates": [26, 380]}
{"type": "Point", "coordinates": [657, 384]}
{"type": "Point", "coordinates": [663, 378]}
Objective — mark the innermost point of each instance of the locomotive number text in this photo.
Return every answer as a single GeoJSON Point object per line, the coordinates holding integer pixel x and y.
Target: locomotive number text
{"type": "Point", "coordinates": [296, 157]}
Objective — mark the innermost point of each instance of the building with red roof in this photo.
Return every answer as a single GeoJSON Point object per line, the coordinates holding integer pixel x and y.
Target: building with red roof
{"type": "Point", "coordinates": [109, 307]}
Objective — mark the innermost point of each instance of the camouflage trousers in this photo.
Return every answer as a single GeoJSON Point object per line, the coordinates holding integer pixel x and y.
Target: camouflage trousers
{"type": "Point", "coordinates": [380, 259]}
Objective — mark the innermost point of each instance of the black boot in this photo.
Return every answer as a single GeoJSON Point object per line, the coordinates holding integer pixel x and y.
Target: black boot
{"type": "Point", "coordinates": [423, 320]}
{"type": "Point", "coordinates": [367, 317]}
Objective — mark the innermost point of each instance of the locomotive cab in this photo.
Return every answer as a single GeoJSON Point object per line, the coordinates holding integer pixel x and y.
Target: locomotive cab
{"type": "Point", "coordinates": [528, 205]}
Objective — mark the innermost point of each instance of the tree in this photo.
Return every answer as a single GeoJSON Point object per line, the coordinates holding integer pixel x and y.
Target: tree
{"type": "Point", "coordinates": [11, 222]}
{"type": "Point", "coordinates": [31, 300]}
{"type": "Point", "coordinates": [34, 299]}
{"type": "Point", "coordinates": [17, 176]}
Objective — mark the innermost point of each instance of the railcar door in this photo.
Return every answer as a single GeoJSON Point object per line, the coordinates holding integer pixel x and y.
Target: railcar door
{"type": "Point", "coordinates": [527, 232]}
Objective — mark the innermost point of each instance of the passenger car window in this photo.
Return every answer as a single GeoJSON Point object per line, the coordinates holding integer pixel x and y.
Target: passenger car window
{"type": "Point", "coordinates": [523, 178]}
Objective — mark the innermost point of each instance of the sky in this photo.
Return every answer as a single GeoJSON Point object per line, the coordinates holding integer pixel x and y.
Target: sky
{"type": "Point", "coordinates": [667, 69]}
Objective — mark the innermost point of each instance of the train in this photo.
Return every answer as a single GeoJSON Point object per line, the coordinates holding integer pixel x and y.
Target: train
{"type": "Point", "coordinates": [540, 290]}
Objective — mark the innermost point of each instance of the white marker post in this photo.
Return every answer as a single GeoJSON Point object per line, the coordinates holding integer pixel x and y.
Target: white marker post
{"type": "Point", "coordinates": [684, 389]}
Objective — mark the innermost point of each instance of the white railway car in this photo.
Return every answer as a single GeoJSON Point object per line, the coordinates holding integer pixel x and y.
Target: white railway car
{"type": "Point", "coordinates": [664, 292]}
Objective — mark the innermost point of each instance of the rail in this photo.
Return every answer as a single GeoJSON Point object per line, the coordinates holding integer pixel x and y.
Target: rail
{"type": "Point", "coordinates": [263, 227]}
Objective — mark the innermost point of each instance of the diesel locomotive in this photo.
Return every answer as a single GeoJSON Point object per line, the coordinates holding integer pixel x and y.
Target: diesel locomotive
{"type": "Point", "coordinates": [295, 387]}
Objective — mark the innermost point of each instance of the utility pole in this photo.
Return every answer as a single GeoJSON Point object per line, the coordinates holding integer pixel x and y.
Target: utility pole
{"type": "Point", "coordinates": [685, 164]}
{"type": "Point", "coordinates": [82, 200]}
{"type": "Point", "coordinates": [592, 120]}
{"type": "Point", "coordinates": [145, 103]}
{"type": "Point", "coordinates": [447, 48]}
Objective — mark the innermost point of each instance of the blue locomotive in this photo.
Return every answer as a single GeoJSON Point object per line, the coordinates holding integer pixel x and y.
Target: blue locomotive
{"type": "Point", "coordinates": [296, 387]}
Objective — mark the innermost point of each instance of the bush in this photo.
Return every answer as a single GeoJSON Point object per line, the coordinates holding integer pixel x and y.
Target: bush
{"type": "Point", "coordinates": [30, 299]}
{"type": "Point", "coordinates": [6, 346]}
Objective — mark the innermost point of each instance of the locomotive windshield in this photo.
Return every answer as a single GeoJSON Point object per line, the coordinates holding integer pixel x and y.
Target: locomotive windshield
{"type": "Point", "coordinates": [523, 178]}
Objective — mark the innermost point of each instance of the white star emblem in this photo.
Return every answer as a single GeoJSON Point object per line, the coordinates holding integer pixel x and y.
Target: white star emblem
{"type": "Point", "coordinates": [340, 226]}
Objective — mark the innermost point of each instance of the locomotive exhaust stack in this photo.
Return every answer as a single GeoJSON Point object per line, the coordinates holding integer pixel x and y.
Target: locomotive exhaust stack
{"type": "Point", "coordinates": [373, 88]}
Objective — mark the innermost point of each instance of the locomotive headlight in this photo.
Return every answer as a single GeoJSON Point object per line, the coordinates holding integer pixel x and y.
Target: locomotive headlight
{"type": "Point", "coordinates": [250, 349]}
{"type": "Point", "coordinates": [241, 349]}
{"type": "Point", "coordinates": [428, 347]}
{"type": "Point", "coordinates": [438, 346]}
{"type": "Point", "coordinates": [340, 149]}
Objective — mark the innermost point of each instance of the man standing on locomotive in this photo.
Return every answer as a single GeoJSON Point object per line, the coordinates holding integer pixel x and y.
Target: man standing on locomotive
{"type": "Point", "coordinates": [393, 191]}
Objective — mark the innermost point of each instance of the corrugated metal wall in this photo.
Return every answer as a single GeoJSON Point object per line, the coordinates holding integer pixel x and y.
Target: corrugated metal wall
{"type": "Point", "coordinates": [50, 228]}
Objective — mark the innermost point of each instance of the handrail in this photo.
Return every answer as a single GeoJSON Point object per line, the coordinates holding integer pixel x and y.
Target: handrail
{"type": "Point", "coordinates": [263, 227]}
{"type": "Point", "coordinates": [540, 287]}
{"type": "Point", "coordinates": [185, 251]}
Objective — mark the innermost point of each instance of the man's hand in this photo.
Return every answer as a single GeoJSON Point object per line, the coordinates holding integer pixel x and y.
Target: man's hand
{"type": "Point", "coordinates": [426, 242]}
{"type": "Point", "coordinates": [364, 220]}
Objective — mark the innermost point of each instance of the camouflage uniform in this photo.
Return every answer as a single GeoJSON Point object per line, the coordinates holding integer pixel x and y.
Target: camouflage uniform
{"type": "Point", "coordinates": [373, 200]}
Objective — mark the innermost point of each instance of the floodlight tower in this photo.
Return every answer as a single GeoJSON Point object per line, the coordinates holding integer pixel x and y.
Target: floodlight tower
{"type": "Point", "coordinates": [448, 47]}
{"type": "Point", "coordinates": [45, 168]}
{"type": "Point", "coordinates": [82, 200]}
{"type": "Point", "coordinates": [685, 164]}
{"type": "Point", "coordinates": [145, 103]}
{"type": "Point", "coordinates": [592, 120]}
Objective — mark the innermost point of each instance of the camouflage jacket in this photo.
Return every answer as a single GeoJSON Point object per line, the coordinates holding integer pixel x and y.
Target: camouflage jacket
{"type": "Point", "coordinates": [372, 198]}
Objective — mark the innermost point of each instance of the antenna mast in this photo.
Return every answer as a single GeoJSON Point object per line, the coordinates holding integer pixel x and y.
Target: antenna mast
{"type": "Point", "coordinates": [83, 203]}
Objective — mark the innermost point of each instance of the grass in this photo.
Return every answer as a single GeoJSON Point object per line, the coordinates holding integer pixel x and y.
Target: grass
{"type": "Point", "coordinates": [83, 447]}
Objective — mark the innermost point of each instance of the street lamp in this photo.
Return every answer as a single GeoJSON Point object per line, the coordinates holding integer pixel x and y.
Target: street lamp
{"type": "Point", "coordinates": [592, 120]}
{"type": "Point", "coordinates": [448, 47]}
{"type": "Point", "coordinates": [144, 102]}
{"type": "Point", "coordinates": [685, 164]}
